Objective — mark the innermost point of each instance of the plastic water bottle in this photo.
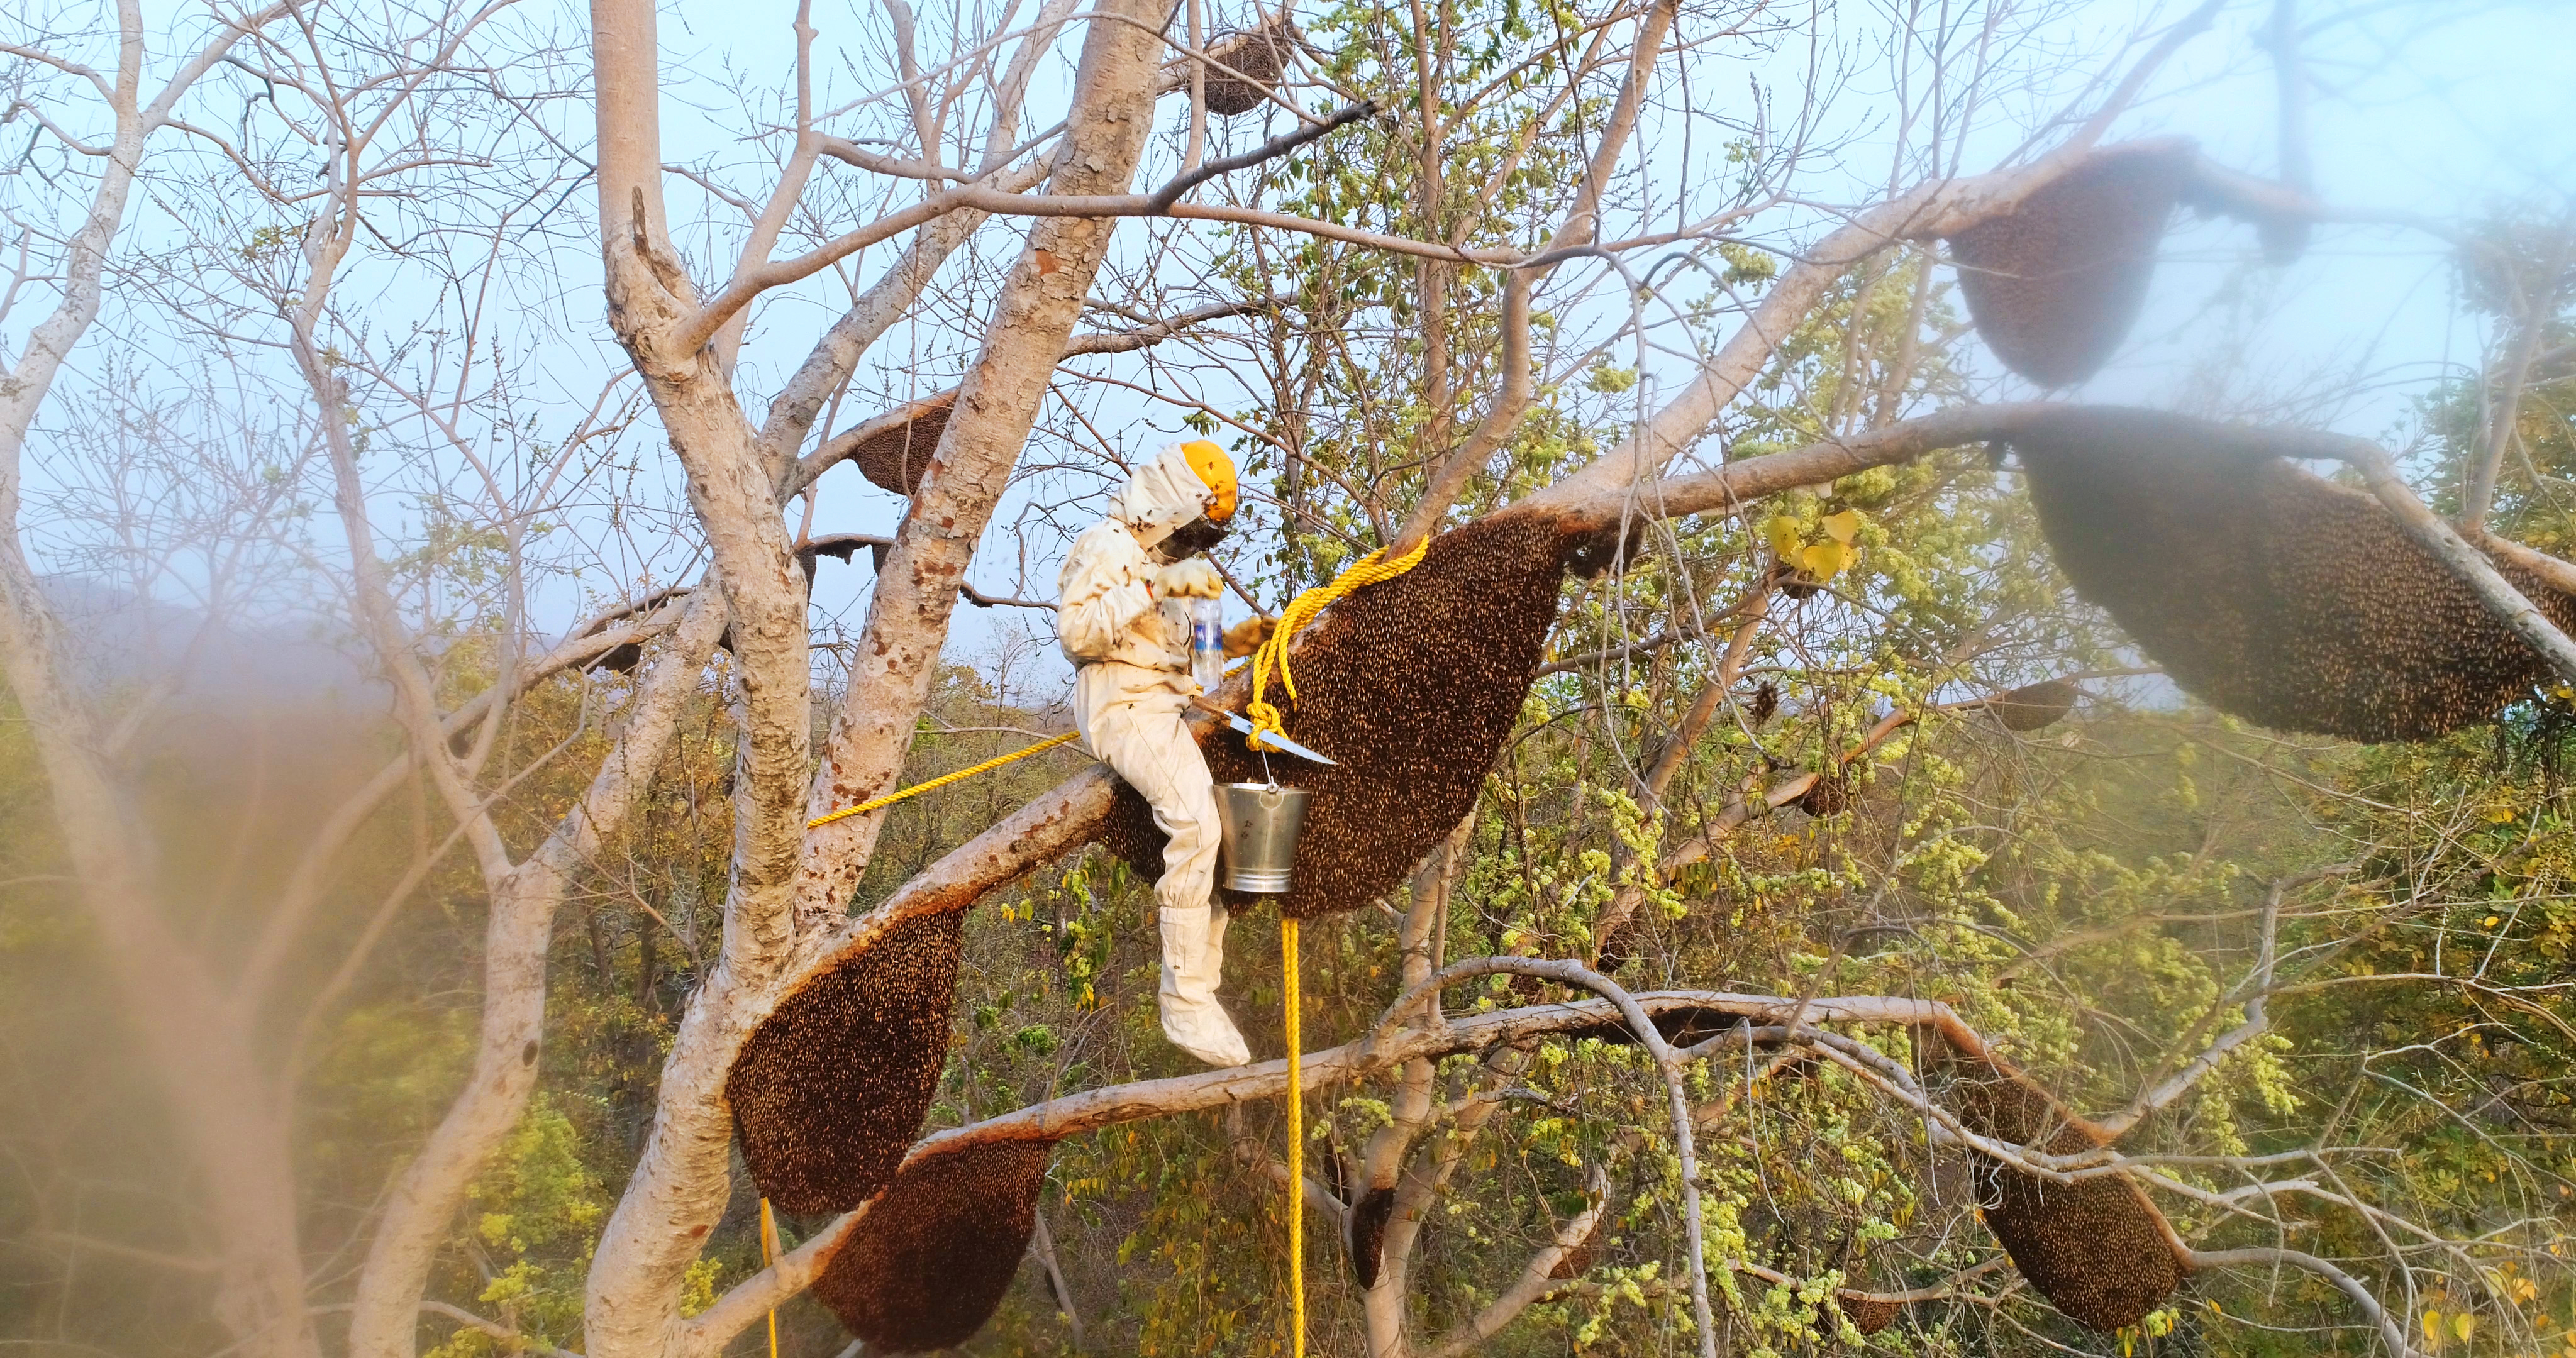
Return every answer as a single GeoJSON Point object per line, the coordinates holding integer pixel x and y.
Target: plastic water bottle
{"type": "Point", "coordinates": [1207, 643]}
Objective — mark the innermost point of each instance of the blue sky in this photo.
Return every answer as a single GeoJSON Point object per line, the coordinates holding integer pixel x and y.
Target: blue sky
{"type": "Point", "coordinates": [2434, 107]}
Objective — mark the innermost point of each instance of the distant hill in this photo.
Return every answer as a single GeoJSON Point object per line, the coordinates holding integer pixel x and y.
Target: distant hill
{"type": "Point", "coordinates": [119, 640]}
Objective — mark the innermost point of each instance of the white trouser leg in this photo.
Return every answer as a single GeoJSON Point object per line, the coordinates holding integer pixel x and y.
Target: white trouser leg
{"type": "Point", "coordinates": [1153, 751]}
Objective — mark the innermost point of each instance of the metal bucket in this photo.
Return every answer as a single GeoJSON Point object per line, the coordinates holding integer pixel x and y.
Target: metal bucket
{"type": "Point", "coordinates": [1260, 823]}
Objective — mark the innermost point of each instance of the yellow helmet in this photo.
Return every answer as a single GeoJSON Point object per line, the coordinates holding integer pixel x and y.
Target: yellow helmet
{"type": "Point", "coordinates": [1217, 470]}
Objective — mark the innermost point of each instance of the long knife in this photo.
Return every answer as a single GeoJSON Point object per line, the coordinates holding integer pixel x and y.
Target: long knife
{"type": "Point", "coordinates": [1243, 724]}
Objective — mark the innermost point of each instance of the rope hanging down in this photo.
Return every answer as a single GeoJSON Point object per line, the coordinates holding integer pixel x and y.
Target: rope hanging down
{"type": "Point", "coordinates": [1268, 720]}
{"type": "Point", "coordinates": [769, 1255]}
{"type": "Point", "coordinates": [1296, 1148]}
{"type": "Point", "coordinates": [1273, 655]}
{"type": "Point", "coordinates": [942, 780]}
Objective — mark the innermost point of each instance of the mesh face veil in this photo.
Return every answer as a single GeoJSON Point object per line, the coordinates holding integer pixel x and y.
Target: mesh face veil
{"type": "Point", "coordinates": [1175, 503]}
{"type": "Point", "coordinates": [1188, 540]}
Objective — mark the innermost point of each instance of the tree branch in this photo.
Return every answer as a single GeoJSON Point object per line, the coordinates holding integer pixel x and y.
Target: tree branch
{"type": "Point", "coordinates": [1536, 1278]}
{"type": "Point", "coordinates": [2390, 1332]}
{"type": "Point", "coordinates": [2444, 544]}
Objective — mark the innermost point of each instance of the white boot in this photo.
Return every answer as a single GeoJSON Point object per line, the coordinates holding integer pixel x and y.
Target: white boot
{"type": "Point", "coordinates": [1212, 957]}
{"type": "Point", "coordinates": [1192, 1018]}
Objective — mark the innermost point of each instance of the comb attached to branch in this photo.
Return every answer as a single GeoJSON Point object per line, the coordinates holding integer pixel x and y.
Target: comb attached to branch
{"type": "Point", "coordinates": [830, 1090]}
{"type": "Point", "coordinates": [893, 451]}
{"type": "Point", "coordinates": [2096, 1248]}
{"type": "Point", "coordinates": [2055, 284]}
{"type": "Point", "coordinates": [929, 1264]}
{"type": "Point", "coordinates": [2265, 591]}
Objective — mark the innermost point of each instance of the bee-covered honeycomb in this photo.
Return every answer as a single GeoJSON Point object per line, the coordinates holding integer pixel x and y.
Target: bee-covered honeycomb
{"type": "Point", "coordinates": [830, 1090]}
{"type": "Point", "coordinates": [2264, 590]}
{"type": "Point", "coordinates": [2054, 285]}
{"type": "Point", "coordinates": [928, 1264]}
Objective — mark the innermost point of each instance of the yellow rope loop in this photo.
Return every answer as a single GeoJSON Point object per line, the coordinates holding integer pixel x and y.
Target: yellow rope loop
{"type": "Point", "coordinates": [941, 781]}
{"type": "Point", "coordinates": [1273, 655]}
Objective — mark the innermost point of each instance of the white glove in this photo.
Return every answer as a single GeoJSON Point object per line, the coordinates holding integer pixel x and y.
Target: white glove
{"type": "Point", "coordinates": [1191, 579]}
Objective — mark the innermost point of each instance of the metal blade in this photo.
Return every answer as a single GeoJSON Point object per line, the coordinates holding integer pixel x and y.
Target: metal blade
{"type": "Point", "coordinates": [1277, 742]}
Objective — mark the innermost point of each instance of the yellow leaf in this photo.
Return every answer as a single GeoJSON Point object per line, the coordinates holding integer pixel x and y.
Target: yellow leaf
{"type": "Point", "coordinates": [1843, 527]}
{"type": "Point", "coordinates": [1824, 560]}
{"type": "Point", "coordinates": [2433, 1329]}
{"type": "Point", "coordinates": [2464, 1325]}
{"type": "Point", "coordinates": [1782, 530]}
{"type": "Point", "coordinates": [2491, 920]}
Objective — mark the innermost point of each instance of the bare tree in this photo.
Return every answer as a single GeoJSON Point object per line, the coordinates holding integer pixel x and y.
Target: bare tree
{"type": "Point", "coordinates": [1506, 249]}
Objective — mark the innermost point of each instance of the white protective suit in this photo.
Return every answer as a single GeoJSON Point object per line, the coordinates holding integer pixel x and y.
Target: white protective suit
{"type": "Point", "coordinates": [1131, 686]}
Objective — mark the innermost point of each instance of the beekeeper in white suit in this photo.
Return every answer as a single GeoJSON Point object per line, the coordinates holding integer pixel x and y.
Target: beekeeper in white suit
{"type": "Point", "coordinates": [1123, 616]}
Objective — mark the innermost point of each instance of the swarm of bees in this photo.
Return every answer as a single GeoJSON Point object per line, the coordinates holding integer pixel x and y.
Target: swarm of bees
{"type": "Point", "coordinates": [931, 1261]}
{"type": "Point", "coordinates": [1368, 1218]}
{"type": "Point", "coordinates": [895, 456]}
{"type": "Point", "coordinates": [1261, 54]}
{"type": "Point", "coordinates": [2054, 284]}
{"type": "Point", "coordinates": [2265, 591]}
{"type": "Point", "coordinates": [2034, 707]}
{"type": "Point", "coordinates": [830, 1090]}
{"type": "Point", "coordinates": [2096, 1248]}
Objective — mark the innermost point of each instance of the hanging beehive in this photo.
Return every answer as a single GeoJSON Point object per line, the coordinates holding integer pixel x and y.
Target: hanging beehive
{"type": "Point", "coordinates": [830, 1090]}
{"type": "Point", "coordinates": [2054, 285]}
{"type": "Point", "coordinates": [895, 455]}
{"type": "Point", "coordinates": [2034, 707]}
{"type": "Point", "coordinates": [1576, 1262]}
{"type": "Point", "coordinates": [1260, 54]}
{"type": "Point", "coordinates": [1829, 795]}
{"type": "Point", "coordinates": [1368, 1220]}
{"type": "Point", "coordinates": [1412, 683]}
{"type": "Point", "coordinates": [2096, 1248]}
{"type": "Point", "coordinates": [1868, 1314]}
{"type": "Point", "coordinates": [928, 1264]}
{"type": "Point", "coordinates": [2265, 591]}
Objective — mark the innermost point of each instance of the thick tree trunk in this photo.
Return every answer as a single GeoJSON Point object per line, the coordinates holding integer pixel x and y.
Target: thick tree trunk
{"type": "Point", "coordinates": [200, 1055]}
{"type": "Point", "coordinates": [425, 1199]}
{"type": "Point", "coordinates": [679, 1187]}
{"type": "Point", "coordinates": [681, 1183]}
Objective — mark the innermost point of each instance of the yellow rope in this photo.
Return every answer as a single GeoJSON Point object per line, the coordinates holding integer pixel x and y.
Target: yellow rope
{"type": "Point", "coordinates": [1267, 719]}
{"type": "Point", "coordinates": [942, 780]}
{"type": "Point", "coordinates": [1296, 1149]}
{"type": "Point", "coordinates": [1273, 654]}
{"type": "Point", "coordinates": [768, 1244]}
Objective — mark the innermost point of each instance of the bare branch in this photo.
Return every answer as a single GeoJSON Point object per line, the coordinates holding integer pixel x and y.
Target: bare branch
{"type": "Point", "coordinates": [2390, 1332]}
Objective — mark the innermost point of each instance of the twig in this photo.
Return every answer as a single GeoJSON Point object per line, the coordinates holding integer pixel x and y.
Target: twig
{"type": "Point", "coordinates": [1161, 199]}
